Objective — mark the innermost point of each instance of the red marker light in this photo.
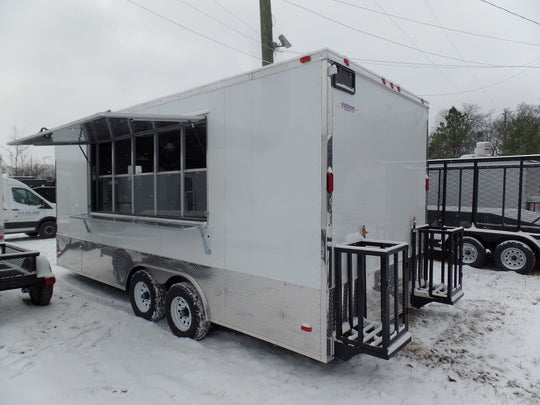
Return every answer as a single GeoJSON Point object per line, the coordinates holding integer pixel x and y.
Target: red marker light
{"type": "Point", "coordinates": [383, 80]}
{"type": "Point", "coordinates": [305, 59]}
{"type": "Point", "coordinates": [50, 281]}
{"type": "Point", "coordinates": [306, 327]}
{"type": "Point", "coordinates": [330, 182]}
{"type": "Point", "coordinates": [427, 183]}
{"type": "Point", "coordinates": [346, 61]}
{"type": "Point", "coordinates": [398, 89]}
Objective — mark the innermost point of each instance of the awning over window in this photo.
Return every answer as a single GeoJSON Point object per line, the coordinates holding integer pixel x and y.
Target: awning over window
{"type": "Point", "coordinates": [105, 126]}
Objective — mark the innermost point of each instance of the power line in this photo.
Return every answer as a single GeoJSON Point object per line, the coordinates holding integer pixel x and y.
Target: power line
{"type": "Point", "coordinates": [236, 17]}
{"type": "Point", "coordinates": [430, 65]}
{"type": "Point", "coordinates": [511, 12]}
{"type": "Point", "coordinates": [437, 26]}
{"type": "Point", "coordinates": [218, 21]}
{"type": "Point", "coordinates": [379, 37]}
{"type": "Point", "coordinates": [414, 43]}
{"type": "Point", "coordinates": [193, 31]}
{"type": "Point", "coordinates": [485, 87]}
{"type": "Point", "coordinates": [458, 52]}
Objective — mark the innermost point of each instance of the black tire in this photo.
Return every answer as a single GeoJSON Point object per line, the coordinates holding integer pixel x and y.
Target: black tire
{"type": "Point", "coordinates": [146, 296]}
{"type": "Point", "coordinates": [40, 294]}
{"type": "Point", "coordinates": [47, 229]}
{"type": "Point", "coordinates": [514, 255]}
{"type": "Point", "coordinates": [474, 253]}
{"type": "Point", "coordinates": [185, 312]}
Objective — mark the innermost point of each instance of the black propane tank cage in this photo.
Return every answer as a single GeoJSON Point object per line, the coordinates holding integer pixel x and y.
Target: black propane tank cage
{"type": "Point", "coordinates": [371, 290]}
{"type": "Point", "coordinates": [370, 298]}
{"type": "Point", "coordinates": [436, 280]}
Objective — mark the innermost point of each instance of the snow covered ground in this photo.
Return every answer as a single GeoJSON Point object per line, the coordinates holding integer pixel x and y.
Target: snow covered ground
{"type": "Point", "coordinates": [87, 347]}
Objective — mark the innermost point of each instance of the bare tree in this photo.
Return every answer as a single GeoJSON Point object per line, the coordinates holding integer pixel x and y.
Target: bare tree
{"type": "Point", "coordinates": [17, 154]}
{"type": "Point", "coordinates": [20, 161]}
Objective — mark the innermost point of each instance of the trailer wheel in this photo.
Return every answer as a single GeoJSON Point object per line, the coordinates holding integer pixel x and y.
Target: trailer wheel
{"type": "Point", "coordinates": [514, 255]}
{"type": "Point", "coordinates": [40, 294]}
{"type": "Point", "coordinates": [47, 229]}
{"type": "Point", "coordinates": [185, 312]}
{"type": "Point", "coordinates": [474, 253]}
{"type": "Point", "coordinates": [146, 296]}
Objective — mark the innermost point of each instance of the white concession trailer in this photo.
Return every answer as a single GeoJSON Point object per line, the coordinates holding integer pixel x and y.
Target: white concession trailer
{"type": "Point", "coordinates": [279, 203]}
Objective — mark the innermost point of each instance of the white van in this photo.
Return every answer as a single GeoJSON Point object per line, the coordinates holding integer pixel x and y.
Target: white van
{"type": "Point", "coordinates": [26, 211]}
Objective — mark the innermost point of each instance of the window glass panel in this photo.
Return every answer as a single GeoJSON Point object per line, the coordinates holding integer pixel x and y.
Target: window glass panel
{"type": "Point", "coordinates": [122, 156]}
{"type": "Point", "coordinates": [168, 195]}
{"type": "Point", "coordinates": [104, 202]}
{"type": "Point", "coordinates": [105, 158]}
{"type": "Point", "coordinates": [123, 195]}
{"type": "Point", "coordinates": [144, 154]}
{"type": "Point", "coordinates": [144, 195]}
{"type": "Point", "coordinates": [141, 126]}
{"type": "Point", "coordinates": [169, 151]}
{"type": "Point", "coordinates": [119, 126]}
{"type": "Point", "coordinates": [23, 196]}
{"type": "Point", "coordinates": [195, 194]}
{"type": "Point", "coordinates": [33, 199]}
{"type": "Point", "coordinates": [195, 157]}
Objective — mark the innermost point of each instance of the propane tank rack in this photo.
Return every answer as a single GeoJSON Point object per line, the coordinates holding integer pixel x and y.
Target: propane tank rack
{"type": "Point", "coordinates": [370, 298]}
{"type": "Point", "coordinates": [432, 282]}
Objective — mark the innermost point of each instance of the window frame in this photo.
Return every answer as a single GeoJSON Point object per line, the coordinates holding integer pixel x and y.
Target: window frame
{"type": "Point", "coordinates": [97, 179]}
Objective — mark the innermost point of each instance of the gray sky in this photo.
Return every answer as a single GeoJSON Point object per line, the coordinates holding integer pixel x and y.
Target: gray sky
{"type": "Point", "coordinates": [62, 60]}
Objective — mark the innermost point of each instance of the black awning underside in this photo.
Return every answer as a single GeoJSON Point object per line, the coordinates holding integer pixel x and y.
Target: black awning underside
{"type": "Point", "coordinates": [105, 126]}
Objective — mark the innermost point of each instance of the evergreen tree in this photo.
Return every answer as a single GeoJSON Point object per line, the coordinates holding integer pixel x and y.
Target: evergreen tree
{"type": "Point", "coordinates": [453, 137]}
{"type": "Point", "coordinates": [519, 131]}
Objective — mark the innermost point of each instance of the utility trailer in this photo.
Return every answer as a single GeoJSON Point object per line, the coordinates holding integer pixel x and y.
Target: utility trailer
{"type": "Point", "coordinates": [24, 269]}
{"type": "Point", "coordinates": [497, 202]}
{"type": "Point", "coordinates": [267, 203]}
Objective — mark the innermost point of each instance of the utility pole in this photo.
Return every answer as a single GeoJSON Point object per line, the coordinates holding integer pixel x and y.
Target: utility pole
{"type": "Point", "coordinates": [267, 45]}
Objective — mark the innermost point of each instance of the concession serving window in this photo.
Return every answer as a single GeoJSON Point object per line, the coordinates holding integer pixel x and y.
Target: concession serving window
{"type": "Point", "coordinates": [140, 165]}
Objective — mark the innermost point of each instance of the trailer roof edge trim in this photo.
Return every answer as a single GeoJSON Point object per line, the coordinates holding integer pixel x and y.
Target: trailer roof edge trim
{"type": "Point", "coordinates": [315, 57]}
{"type": "Point", "coordinates": [106, 126]}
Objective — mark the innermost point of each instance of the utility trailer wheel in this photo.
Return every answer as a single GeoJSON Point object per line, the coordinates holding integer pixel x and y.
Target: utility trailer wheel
{"type": "Point", "coordinates": [47, 230]}
{"type": "Point", "coordinates": [146, 296]}
{"type": "Point", "coordinates": [514, 255]}
{"type": "Point", "coordinates": [41, 293]}
{"type": "Point", "coordinates": [474, 253]}
{"type": "Point", "coordinates": [185, 312]}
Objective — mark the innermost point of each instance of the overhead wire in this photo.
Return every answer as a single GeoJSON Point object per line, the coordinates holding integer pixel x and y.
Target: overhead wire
{"type": "Point", "coordinates": [236, 17]}
{"type": "Point", "coordinates": [258, 41]}
{"type": "Point", "coordinates": [438, 26]}
{"type": "Point", "coordinates": [416, 45]}
{"type": "Point", "coordinates": [193, 31]}
{"type": "Point", "coordinates": [511, 12]}
{"type": "Point", "coordinates": [485, 87]}
{"type": "Point", "coordinates": [217, 20]}
{"type": "Point", "coordinates": [378, 36]}
{"type": "Point", "coordinates": [459, 53]}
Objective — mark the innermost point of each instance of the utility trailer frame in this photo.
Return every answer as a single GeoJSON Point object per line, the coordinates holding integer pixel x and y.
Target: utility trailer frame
{"type": "Point", "coordinates": [497, 202]}
{"type": "Point", "coordinates": [280, 174]}
{"type": "Point", "coordinates": [24, 269]}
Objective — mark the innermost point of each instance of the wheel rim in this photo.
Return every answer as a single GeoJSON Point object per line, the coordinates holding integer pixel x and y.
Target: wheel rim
{"type": "Point", "coordinates": [143, 299]}
{"type": "Point", "coordinates": [470, 253]}
{"type": "Point", "coordinates": [513, 258]}
{"type": "Point", "coordinates": [181, 314]}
